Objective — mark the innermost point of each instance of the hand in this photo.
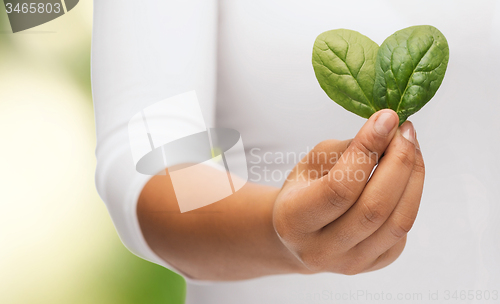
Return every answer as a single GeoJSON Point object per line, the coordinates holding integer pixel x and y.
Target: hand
{"type": "Point", "coordinates": [334, 217]}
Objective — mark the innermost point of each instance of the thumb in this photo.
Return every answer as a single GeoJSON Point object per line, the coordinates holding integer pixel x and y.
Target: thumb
{"type": "Point", "coordinates": [327, 198]}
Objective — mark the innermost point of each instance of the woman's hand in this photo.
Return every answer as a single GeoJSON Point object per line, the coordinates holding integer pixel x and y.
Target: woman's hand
{"type": "Point", "coordinates": [334, 217]}
{"type": "Point", "coordinates": [327, 216]}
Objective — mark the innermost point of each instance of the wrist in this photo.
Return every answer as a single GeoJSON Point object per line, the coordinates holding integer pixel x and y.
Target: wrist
{"type": "Point", "coordinates": [289, 261]}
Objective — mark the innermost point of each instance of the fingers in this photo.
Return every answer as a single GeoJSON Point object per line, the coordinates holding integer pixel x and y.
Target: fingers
{"type": "Point", "coordinates": [325, 155]}
{"type": "Point", "coordinates": [371, 233]}
{"type": "Point", "coordinates": [327, 198]}
{"type": "Point", "coordinates": [347, 179]}
{"type": "Point", "coordinates": [389, 256]}
{"type": "Point", "coordinates": [401, 219]}
{"type": "Point", "coordinates": [319, 161]}
{"type": "Point", "coordinates": [297, 213]}
{"type": "Point", "coordinates": [381, 194]}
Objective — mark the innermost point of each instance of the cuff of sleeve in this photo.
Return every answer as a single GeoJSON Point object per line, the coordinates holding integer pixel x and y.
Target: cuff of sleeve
{"type": "Point", "coordinates": [119, 186]}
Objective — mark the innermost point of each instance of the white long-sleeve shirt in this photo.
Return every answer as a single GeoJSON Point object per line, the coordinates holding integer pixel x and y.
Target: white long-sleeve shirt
{"type": "Point", "coordinates": [250, 65]}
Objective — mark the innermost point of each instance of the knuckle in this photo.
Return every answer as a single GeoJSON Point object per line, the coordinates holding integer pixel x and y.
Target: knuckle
{"type": "Point", "coordinates": [401, 225]}
{"type": "Point", "coordinates": [351, 266]}
{"type": "Point", "coordinates": [383, 257]}
{"type": "Point", "coordinates": [406, 156]}
{"type": "Point", "coordinates": [419, 165]}
{"type": "Point", "coordinates": [338, 196]}
{"type": "Point", "coordinates": [371, 215]}
{"type": "Point", "coordinates": [365, 150]}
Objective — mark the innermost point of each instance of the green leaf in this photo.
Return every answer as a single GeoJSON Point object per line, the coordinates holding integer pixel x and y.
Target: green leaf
{"type": "Point", "coordinates": [410, 67]}
{"type": "Point", "coordinates": [344, 62]}
{"type": "Point", "coordinates": [403, 74]}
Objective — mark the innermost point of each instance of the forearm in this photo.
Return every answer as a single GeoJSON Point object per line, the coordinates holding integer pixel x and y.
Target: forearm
{"type": "Point", "coordinates": [232, 239]}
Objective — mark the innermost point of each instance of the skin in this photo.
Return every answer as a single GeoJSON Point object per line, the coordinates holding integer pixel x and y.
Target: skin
{"type": "Point", "coordinates": [329, 216]}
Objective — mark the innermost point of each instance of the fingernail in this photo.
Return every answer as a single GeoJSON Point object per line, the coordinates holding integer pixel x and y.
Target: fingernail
{"type": "Point", "coordinates": [416, 140]}
{"type": "Point", "coordinates": [408, 131]}
{"type": "Point", "coordinates": [385, 123]}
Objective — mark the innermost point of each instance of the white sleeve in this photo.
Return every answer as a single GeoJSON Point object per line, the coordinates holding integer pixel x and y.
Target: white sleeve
{"type": "Point", "coordinates": [143, 53]}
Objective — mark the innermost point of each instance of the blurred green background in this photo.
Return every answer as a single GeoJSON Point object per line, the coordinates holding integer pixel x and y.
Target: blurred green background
{"type": "Point", "coordinates": [57, 241]}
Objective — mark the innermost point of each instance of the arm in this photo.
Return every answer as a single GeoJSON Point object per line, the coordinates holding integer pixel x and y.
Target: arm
{"type": "Point", "coordinates": [143, 53]}
{"type": "Point", "coordinates": [229, 240]}
{"type": "Point", "coordinates": [336, 221]}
